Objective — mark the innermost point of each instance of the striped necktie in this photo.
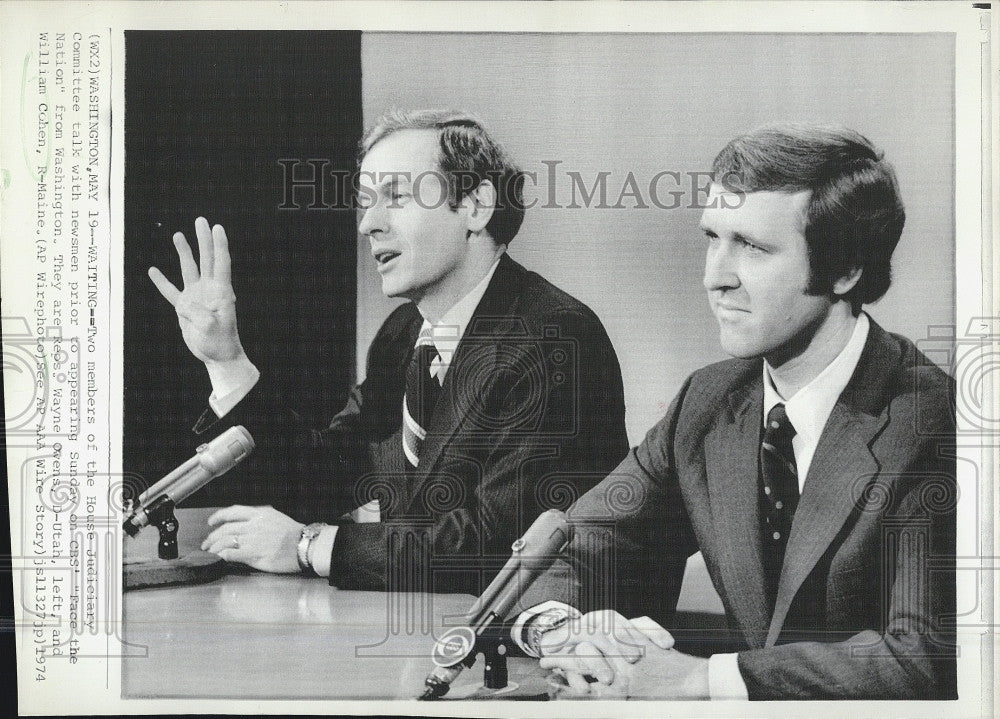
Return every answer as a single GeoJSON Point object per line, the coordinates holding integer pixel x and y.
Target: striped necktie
{"type": "Point", "coordinates": [423, 387]}
{"type": "Point", "coordinates": [780, 485]}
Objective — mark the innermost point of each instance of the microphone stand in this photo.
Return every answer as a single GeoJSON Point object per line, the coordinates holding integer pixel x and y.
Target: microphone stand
{"type": "Point", "coordinates": [195, 567]}
{"type": "Point", "coordinates": [484, 625]}
{"type": "Point", "coordinates": [492, 644]}
{"type": "Point", "coordinates": [495, 662]}
{"type": "Point", "coordinates": [161, 515]}
{"type": "Point", "coordinates": [156, 506]}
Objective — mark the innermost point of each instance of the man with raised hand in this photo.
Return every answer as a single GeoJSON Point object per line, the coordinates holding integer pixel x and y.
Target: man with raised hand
{"type": "Point", "coordinates": [815, 471]}
{"type": "Point", "coordinates": [488, 398]}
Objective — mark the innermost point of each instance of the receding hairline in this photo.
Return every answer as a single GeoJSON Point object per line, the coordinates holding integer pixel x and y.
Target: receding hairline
{"type": "Point", "coordinates": [434, 136]}
{"type": "Point", "coordinates": [435, 120]}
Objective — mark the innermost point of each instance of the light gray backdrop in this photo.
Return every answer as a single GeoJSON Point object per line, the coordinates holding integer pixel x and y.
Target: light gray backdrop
{"type": "Point", "coordinates": [669, 102]}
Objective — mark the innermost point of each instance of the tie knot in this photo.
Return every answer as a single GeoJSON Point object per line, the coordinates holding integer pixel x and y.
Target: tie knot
{"type": "Point", "coordinates": [778, 422]}
{"type": "Point", "coordinates": [426, 337]}
{"type": "Point", "coordinates": [425, 346]}
{"type": "Point", "coordinates": [426, 356]}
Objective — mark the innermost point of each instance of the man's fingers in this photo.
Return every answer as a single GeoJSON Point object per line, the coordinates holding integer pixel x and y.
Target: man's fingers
{"type": "Point", "coordinates": [221, 537]}
{"type": "Point", "coordinates": [165, 286]}
{"type": "Point", "coordinates": [222, 259]}
{"type": "Point", "coordinates": [189, 270]}
{"type": "Point", "coordinates": [654, 632]}
{"type": "Point", "coordinates": [557, 639]}
{"type": "Point", "coordinates": [564, 660]}
{"type": "Point", "coordinates": [206, 250]}
{"type": "Point", "coordinates": [577, 684]}
{"type": "Point", "coordinates": [629, 643]}
{"type": "Point", "coordinates": [594, 662]}
{"type": "Point", "coordinates": [218, 546]}
{"type": "Point", "coordinates": [230, 554]}
{"type": "Point", "coordinates": [621, 670]}
{"type": "Point", "coordinates": [611, 633]}
{"type": "Point", "coordinates": [235, 513]}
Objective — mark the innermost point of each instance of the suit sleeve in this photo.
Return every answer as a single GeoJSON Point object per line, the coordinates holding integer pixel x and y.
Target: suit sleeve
{"type": "Point", "coordinates": [295, 464]}
{"type": "Point", "coordinates": [543, 433]}
{"type": "Point", "coordinates": [306, 471]}
{"type": "Point", "coordinates": [633, 528]}
{"type": "Point", "coordinates": [913, 655]}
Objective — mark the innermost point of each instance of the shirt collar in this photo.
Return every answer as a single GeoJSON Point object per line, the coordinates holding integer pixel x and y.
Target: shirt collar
{"type": "Point", "coordinates": [448, 331]}
{"type": "Point", "coordinates": [810, 407]}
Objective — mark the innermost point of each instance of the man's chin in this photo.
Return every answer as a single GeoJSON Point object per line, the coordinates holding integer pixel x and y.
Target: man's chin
{"type": "Point", "coordinates": [393, 289]}
{"type": "Point", "coordinates": [739, 347]}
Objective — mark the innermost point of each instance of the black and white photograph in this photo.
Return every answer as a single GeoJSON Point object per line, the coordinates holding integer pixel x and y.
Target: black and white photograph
{"type": "Point", "coordinates": [507, 365]}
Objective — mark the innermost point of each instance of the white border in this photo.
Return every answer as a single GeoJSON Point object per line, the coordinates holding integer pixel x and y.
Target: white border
{"type": "Point", "coordinates": [20, 20]}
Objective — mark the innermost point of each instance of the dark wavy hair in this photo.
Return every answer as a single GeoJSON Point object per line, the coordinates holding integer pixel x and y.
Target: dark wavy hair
{"type": "Point", "coordinates": [855, 215]}
{"type": "Point", "coordinates": [468, 156]}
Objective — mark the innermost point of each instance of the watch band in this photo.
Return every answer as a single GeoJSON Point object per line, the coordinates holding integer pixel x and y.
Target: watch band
{"type": "Point", "coordinates": [308, 534]}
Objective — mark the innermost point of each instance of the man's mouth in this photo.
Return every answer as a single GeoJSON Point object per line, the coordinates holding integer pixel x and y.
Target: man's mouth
{"type": "Point", "coordinates": [729, 311]}
{"type": "Point", "coordinates": [385, 257]}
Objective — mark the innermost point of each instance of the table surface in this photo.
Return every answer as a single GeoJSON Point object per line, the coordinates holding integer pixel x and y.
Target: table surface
{"type": "Point", "coordinates": [256, 635]}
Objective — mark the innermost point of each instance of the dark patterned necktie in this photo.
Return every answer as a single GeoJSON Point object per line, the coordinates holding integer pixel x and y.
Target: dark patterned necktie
{"type": "Point", "coordinates": [422, 391]}
{"type": "Point", "coordinates": [780, 487]}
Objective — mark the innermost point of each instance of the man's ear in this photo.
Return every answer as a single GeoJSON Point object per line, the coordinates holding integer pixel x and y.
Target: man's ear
{"type": "Point", "coordinates": [846, 283]}
{"type": "Point", "coordinates": [480, 203]}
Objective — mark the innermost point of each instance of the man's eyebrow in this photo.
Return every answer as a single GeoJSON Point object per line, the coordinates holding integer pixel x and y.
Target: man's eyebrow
{"type": "Point", "coordinates": [749, 239]}
{"type": "Point", "coordinates": [388, 180]}
{"type": "Point", "coordinates": [393, 180]}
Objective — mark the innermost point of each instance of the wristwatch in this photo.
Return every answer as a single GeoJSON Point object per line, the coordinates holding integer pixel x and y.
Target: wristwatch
{"type": "Point", "coordinates": [309, 533]}
{"type": "Point", "coordinates": [532, 624]}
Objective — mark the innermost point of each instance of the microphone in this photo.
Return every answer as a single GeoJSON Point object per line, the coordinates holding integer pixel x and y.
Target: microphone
{"type": "Point", "coordinates": [210, 461]}
{"type": "Point", "coordinates": [531, 555]}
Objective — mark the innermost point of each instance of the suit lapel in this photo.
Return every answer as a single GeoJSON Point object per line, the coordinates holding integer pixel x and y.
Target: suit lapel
{"type": "Point", "coordinates": [473, 367]}
{"type": "Point", "coordinates": [842, 467]}
{"type": "Point", "coordinates": [732, 449]}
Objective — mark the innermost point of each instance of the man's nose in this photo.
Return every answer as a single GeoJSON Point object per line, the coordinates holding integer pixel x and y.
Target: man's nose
{"type": "Point", "coordinates": [373, 219]}
{"type": "Point", "coordinates": [720, 267]}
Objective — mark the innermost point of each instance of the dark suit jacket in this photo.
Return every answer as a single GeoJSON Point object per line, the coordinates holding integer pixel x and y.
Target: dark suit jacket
{"type": "Point", "coordinates": [866, 595]}
{"type": "Point", "coordinates": [531, 415]}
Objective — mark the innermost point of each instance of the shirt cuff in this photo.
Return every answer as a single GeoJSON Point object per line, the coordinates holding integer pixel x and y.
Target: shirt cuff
{"type": "Point", "coordinates": [367, 513]}
{"type": "Point", "coordinates": [321, 550]}
{"type": "Point", "coordinates": [724, 678]}
{"type": "Point", "coordinates": [231, 382]}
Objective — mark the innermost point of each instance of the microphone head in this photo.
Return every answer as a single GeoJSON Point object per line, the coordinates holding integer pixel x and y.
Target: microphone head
{"type": "Point", "coordinates": [226, 451]}
{"type": "Point", "coordinates": [454, 647]}
{"type": "Point", "coordinates": [548, 535]}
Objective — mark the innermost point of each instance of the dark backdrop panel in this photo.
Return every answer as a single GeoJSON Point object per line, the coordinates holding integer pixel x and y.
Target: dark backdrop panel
{"type": "Point", "coordinates": [208, 117]}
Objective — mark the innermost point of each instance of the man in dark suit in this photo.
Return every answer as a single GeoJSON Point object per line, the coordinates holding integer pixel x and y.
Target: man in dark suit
{"type": "Point", "coordinates": [489, 397]}
{"type": "Point", "coordinates": [813, 471]}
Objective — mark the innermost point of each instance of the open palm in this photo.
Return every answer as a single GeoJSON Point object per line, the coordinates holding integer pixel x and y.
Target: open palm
{"type": "Point", "coordinates": [206, 307]}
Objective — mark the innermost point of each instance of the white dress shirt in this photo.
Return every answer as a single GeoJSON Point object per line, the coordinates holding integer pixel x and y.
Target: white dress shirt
{"type": "Point", "coordinates": [448, 331]}
{"type": "Point", "coordinates": [231, 382]}
{"type": "Point", "coordinates": [808, 410]}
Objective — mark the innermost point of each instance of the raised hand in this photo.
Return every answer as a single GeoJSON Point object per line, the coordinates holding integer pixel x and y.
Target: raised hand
{"type": "Point", "coordinates": [206, 307]}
